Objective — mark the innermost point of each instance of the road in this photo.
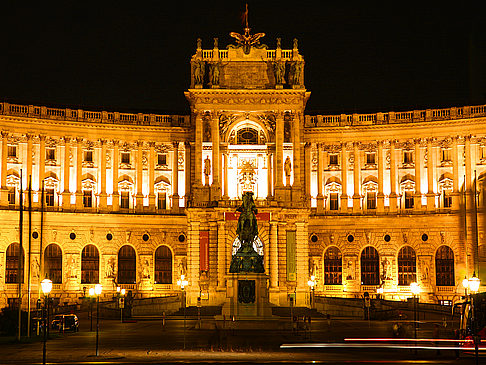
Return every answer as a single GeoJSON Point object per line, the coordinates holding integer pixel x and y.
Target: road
{"type": "Point", "coordinates": [148, 341]}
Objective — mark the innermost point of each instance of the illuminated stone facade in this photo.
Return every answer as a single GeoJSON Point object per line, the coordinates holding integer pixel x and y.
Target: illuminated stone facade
{"type": "Point", "coordinates": [361, 201]}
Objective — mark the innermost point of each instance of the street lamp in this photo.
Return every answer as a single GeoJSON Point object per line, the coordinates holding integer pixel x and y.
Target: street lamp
{"type": "Point", "coordinates": [91, 298]}
{"type": "Point", "coordinates": [46, 286]}
{"type": "Point", "coordinates": [312, 283]}
{"type": "Point", "coordinates": [121, 302]}
{"type": "Point", "coordinates": [97, 289]}
{"type": "Point", "coordinates": [473, 284]}
{"type": "Point", "coordinates": [182, 282]}
{"type": "Point", "coordinates": [415, 289]}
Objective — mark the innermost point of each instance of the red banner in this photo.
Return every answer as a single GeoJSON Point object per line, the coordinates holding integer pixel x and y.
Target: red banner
{"type": "Point", "coordinates": [230, 216]}
{"type": "Point", "coordinates": [204, 250]}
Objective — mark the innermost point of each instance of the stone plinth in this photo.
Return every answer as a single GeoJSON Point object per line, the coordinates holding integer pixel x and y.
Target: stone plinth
{"type": "Point", "coordinates": [234, 307]}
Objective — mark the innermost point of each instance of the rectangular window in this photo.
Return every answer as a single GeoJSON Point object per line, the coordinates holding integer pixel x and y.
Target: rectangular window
{"type": "Point", "coordinates": [125, 157]}
{"type": "Point", "coordinates": [125, 200]}
{"type": "Point", "coordinates": [11, 196]}
{"type": "Point", "coordinates": [446, 154]}
{"type": "Point", "coordinates": [161, 159]}
{"type": "Point", "coordinates": [447, 199]}
{"type": "Point", "coordinates": [162, 200]}
{"type": "Point", "coordinates": [408, 199]}
{"type": "Point", "coordinates": [50, 154]}
{"type": "Point", "coordinates": [333, 159]}
{"type": "Point", "coordinates": [88, 198]}
{"type": "Point", "coordinates": [12, 151]}
{"type": "Point", "coordinates": [371, 158]}
{"type": "Point", "coordinates": [407, 157]}
{"type": "Point", "coordinates": [333, 201]}
{"type": "Point", "coordinates": [49, 194]}
{"type": "Point", "coordinates": [370, 200]}
{"type": "Point", "coordinates": [88, 156]}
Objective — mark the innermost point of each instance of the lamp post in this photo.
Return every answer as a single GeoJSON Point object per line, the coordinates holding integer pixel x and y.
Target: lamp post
{"type": "Point", "coordinates": [97, 289]}
{"type": "Point", "coordinates": [46, 285]}
{"type": "Point", "coordinates": [415, 289]}
{"type": "Point", "coordinates": [91, 298]}
{"type": "Point", "coordinates": [465, 284]}
{"type": "Point", "coordinates": [473, 284]}
{"type": "Point", "coordinates": [312, 283]}
{"type": "Point", "coordinates": [182, 282]}
{"type": "Point", "coordinates": [121, 303]}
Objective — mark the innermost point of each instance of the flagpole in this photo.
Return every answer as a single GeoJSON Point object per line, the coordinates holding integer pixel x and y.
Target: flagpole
{"type": "Point", "coordinates": [20, 263]}
{"type": "Point", "coordinates": [29, 285]}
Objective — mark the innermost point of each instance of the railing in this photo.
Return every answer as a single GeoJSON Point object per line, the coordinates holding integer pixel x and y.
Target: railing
{"type": "Point", "coordinates": [333, 288]}
{"type": "Point", "coordinates": [93, 116]}
{"type": "Point", "coordinates": [415, 116]}
{"type": "Point", "coordinates": [446, 289]}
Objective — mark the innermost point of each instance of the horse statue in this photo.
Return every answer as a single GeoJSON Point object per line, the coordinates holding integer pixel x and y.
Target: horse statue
{"type": "Point", "coordinates": [246, 259]}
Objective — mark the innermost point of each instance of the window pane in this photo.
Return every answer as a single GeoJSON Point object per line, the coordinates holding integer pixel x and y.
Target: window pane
{"type": "Point", "coordinates": [127, 265]}
{"type": "Point", "coordinates": [370, 268]}
{"type": "Point", "coordinates": [333, 266]}
{"type": "Point", "coordinates": [163, 265]}
{"type": "Point", "coordinates": [90, 264]}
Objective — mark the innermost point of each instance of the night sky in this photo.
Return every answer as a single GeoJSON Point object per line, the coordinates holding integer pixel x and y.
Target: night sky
{"type": "Point", "coordinates": [360, 57]}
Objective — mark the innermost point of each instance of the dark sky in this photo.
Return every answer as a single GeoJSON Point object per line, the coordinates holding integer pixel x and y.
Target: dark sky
{"type": "Point", "coordinates": [360, 57]}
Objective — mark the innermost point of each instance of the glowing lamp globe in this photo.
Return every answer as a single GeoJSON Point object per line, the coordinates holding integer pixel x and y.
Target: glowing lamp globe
{"type": "Point", "coordinates": [98, 288]}
{"type": "Point", "coordinates": [414, 288]}
{"type": "Point", "coordinates": [46, 285]}
{"type": "Point", "coordinates": [474, 283]}
{"type": "Point", "coordinates": [91, 292]}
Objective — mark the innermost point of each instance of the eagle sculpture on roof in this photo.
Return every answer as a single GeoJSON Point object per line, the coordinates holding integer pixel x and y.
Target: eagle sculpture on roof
{"type": "Point", "coordinates": [247, 39]}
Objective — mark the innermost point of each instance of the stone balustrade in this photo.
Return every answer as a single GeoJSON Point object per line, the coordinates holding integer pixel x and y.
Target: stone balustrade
{"type": "Point", "coordinates": [414, 116]}
{"type": "Point", "coordinates": [79, 115]}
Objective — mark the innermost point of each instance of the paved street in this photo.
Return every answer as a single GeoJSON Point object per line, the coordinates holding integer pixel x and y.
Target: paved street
{"type": "Point", "coordinates": [146, 341]}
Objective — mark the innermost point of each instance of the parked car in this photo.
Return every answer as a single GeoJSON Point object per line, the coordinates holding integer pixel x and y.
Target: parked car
{"type": "Point", "coordinates": [67, 321]}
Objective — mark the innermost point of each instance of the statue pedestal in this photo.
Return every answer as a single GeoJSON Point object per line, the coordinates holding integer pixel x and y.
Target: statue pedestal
{"type": "Point", "coordinates": [247, 296]}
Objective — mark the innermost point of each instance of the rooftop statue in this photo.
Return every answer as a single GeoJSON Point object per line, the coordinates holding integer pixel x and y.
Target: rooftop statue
{"type": "Point", "coordinates": [246, 259]}
{"type": "Point", "coordinates": [247, 40]}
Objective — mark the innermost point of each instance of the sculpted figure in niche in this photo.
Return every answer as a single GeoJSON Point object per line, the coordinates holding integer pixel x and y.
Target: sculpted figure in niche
{"type": "Point", "coordinates": [214, 73]}
{"type": "Point", "coordinates": [35, 268]}
{"type": "Point", "coordinates": [287, 167]}
{"type": "Point", "coordinates": [110, 268]}
{"type": "Point", "coordinates": [198, 72]}
{"type": "Point", "coordinates": [279, 71]}
{"type": "Point", "coordinates": [296, 72]}
{"type": "Point", "coordinates": [207, 166]}
{"type": "Point", "coordinates": [146, 269]}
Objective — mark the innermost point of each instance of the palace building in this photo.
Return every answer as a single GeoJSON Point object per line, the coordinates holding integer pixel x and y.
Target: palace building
{"type": "Point", "coordinates": [363, 202]}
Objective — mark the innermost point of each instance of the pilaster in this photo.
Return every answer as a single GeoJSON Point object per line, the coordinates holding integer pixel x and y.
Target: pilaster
{"type": "Point", "coordinates": [175, 177]}
{"type": "Point", "coordinates": [380, 197]}
{"type": "Point", "coordinates": [393, 178]}
{"type": "Point", "coordinates": [102, 164]}
{"type": "Point", "coordinates": [66, 194]}
{"type": "Point", "coordinates": [320, 167]}
{"type": "Point", "coordinates": [139, 195]}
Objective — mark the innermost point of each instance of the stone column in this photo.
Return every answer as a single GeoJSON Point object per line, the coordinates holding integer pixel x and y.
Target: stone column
{"type": "Point", "coordinates": [320, 168]}
{"type": "Point", "coordinates": [380, 197]}
{"type": "Point", "coordinates": [79, 173]}
{"type": "Point", "coordinates": [221, 256]}
{"type": "Point", "coordinates": [66, 194]}
{"type": "Point", "coordinates": [356, 179]}
{"type": "Point", "coordinates": [114, 166]}
{"type": "Point", "coordinates": [187, 172]}
{"type": "Point", "coordinates": [302, 253]}
{"type": "Point", "coordinates": [456, 197]}
{"type": "Point", "coordinates": [225, 171]}
{"type": "Point", "coordinates": [139, 196]}
{"type": "Point", "coordinates": [430, 175]}
{"type": "Point", "coordinates": [4, 191]}
{"type": "Point", "coordinates": [344, 178]}
{"type": "Point", "coordinates": [42, 160]}
{"type": "Point", "coordinates": [417, 204]}
{"type": "Point", "coordinates": [198, 152]}
{"type": "Point", "coordinates": [269, 173]}
{"type": "Point", "coordinates": [193, 258]}
{"type": "Point", "coordinates": [278, 158]}
{"type": "Point", "coordinates": [297, 151]}
{"type": "Point", "coordinates": [29, 158]}
{"type": "Point", "coordinates": [306, 174]}
{"type": "Point", "coordinates": [273, 259]}
{"type": "Point", "coordinates": [102, 195]}
{"type": "Point", "coordinates": [216, 158]}
{"type": "Point", "coordinates": [151, 176]}
{"type": "Point", "coordinates": [393, 178]}
{"type": "Point", "coordinates": [175, 177]}
{"type": "Point", "coordinates": [468, 164]}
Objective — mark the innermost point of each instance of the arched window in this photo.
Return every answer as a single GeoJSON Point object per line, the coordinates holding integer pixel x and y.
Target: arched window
{"type": "Point", "coordinates": [247, 135]}
{"type": "Point", "coordinates": [370, 266]}
{"type": "Point", "coordinates": [127, 265]}
{"type": "Point", "coordinates": [407, 266]}
{"type": "Point", "coordinates": [444, 266]}
{"type": "Point", "coordinates": [163, 265]}
{"type": "Point", "coordinates": [53, 263]}
{"type": "Point", "coordinates": [333, 266]}
{"type": "Point", "coordinates": [90, 265]}
{"type": "Point", "coordinates": [12, 264]}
